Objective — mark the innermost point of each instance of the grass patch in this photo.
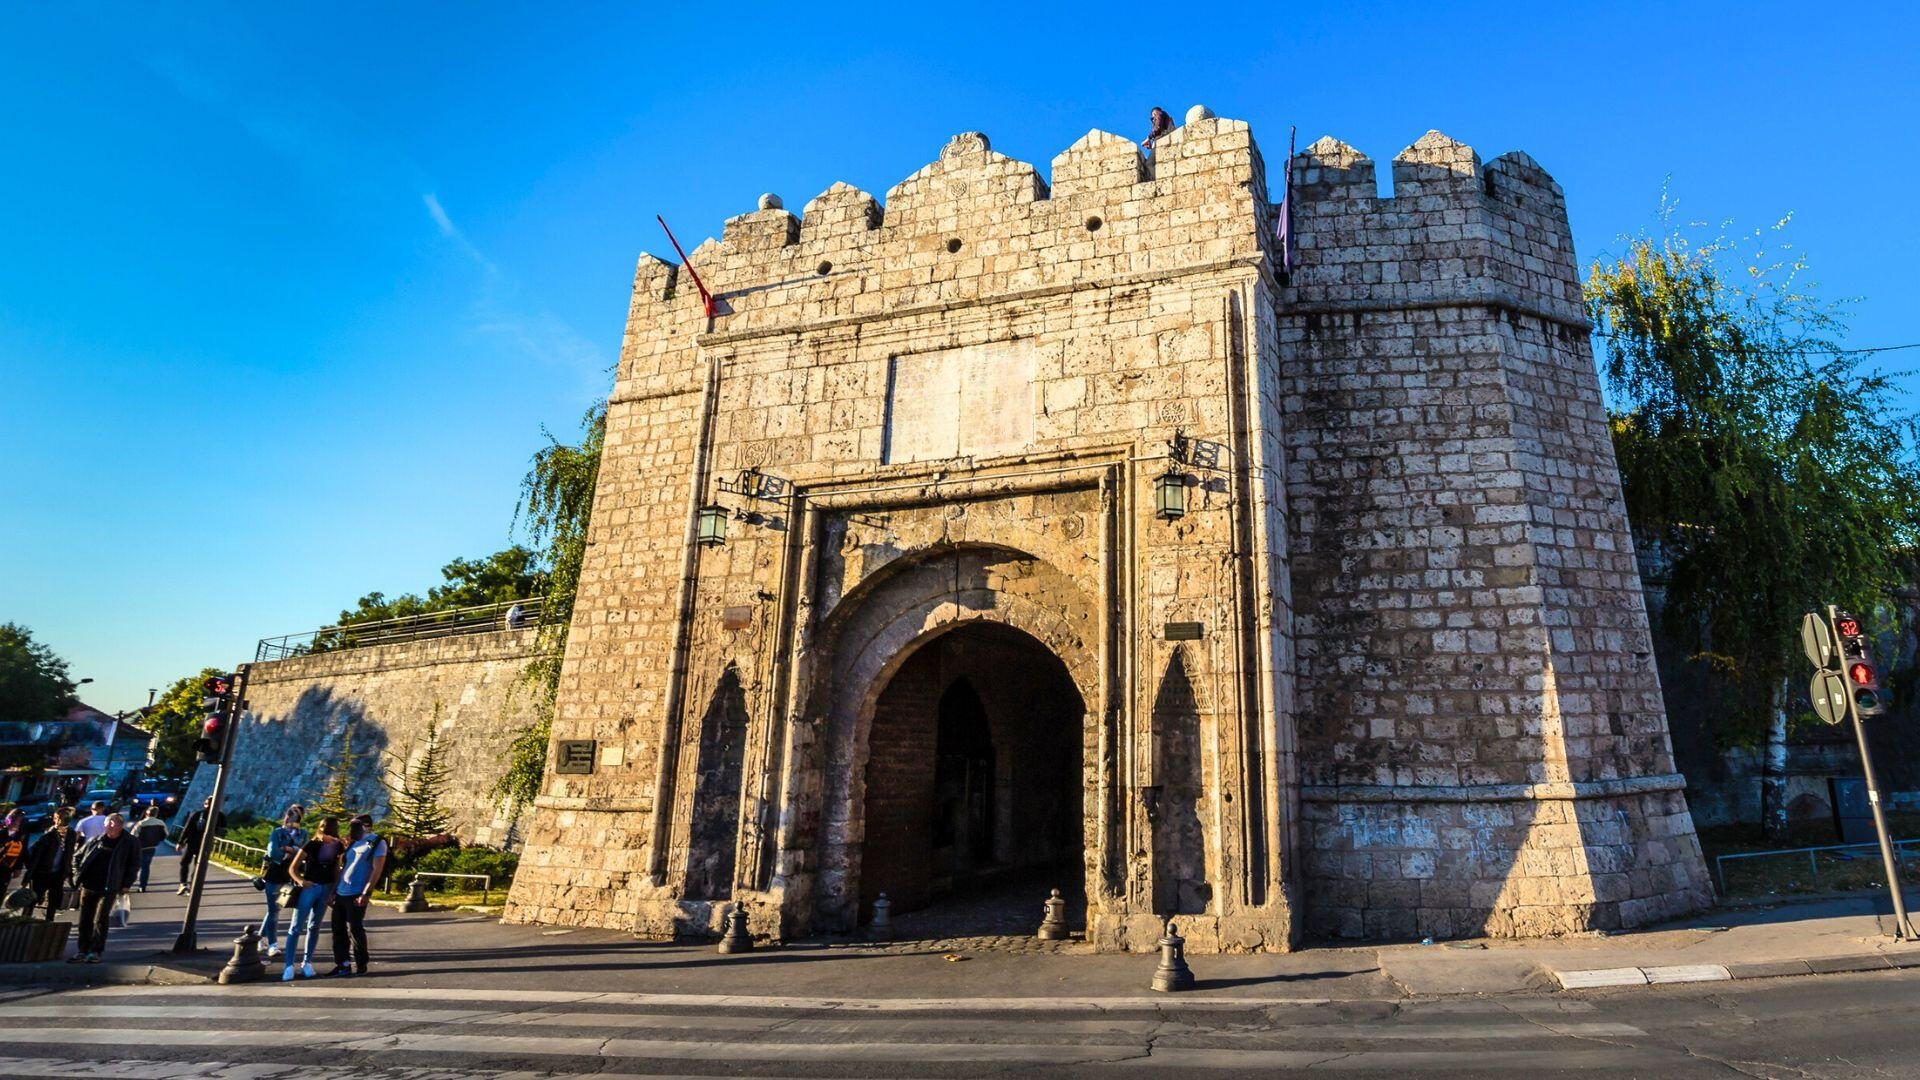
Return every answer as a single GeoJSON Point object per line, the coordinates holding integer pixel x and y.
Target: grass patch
{"type": "Point", "coordinates": [1799, 874]}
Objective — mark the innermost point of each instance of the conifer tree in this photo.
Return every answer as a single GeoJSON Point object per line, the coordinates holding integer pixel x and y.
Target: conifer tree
{"type": "Point", "coordinates": [332, 799]}
{"type": "Point", "coordinates": [415, 806]}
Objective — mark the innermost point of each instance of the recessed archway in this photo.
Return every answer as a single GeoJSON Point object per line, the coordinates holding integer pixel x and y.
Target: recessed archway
{"type": "Point", "coordinates": [975, 774]}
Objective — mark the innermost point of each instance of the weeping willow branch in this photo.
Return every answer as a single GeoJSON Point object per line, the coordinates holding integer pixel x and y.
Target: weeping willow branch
{"type": "Point", "coordinates": [554, 511]}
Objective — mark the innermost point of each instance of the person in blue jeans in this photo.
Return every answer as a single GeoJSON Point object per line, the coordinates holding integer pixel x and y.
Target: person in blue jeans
{"type": "Point", "coordinates": [283, 844]}
{"type": "Point", "coordinates": [366, 857]}
{"type": "Point", "coordinates": [314, 872]}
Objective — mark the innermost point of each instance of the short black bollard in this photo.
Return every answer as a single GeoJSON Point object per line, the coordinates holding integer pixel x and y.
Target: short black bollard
{"type": "Point", "coordinates": [737, 938]}
{"type": "Point", "coordinates": [1173, 974]}
{"type": "Point", "coordinates": [1053, 924]}
{"type": "Point", "coordinates": [246, 965]}
{"type": "Point", "coordinates": [416, 896]}
{"type": "Point", "coordinates": [881, 928]}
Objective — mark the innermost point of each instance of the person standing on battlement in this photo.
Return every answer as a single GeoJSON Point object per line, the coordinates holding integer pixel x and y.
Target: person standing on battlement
{"type": "Point", "coordinates": [1158, 124]}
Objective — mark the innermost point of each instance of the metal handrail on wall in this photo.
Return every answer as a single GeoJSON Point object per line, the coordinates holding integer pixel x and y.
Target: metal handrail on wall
{"type": "Point", "coordinates": [479, 619]}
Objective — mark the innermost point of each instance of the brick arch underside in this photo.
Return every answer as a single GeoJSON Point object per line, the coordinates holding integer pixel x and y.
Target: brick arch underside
{"type": "Point", "coordinates": [922, 598]}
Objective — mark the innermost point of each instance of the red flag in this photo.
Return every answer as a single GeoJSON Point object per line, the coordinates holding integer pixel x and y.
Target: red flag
{"type": "Point", "coordinates": [706, 298]}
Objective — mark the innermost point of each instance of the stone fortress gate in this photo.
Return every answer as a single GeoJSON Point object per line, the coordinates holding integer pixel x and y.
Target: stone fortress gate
{"type": "Point", "coordinates": [1048, 530]}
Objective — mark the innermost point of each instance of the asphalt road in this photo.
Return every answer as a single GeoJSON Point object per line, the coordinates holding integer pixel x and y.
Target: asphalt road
{"type": "Point", "coordinates": [1823, 1026]}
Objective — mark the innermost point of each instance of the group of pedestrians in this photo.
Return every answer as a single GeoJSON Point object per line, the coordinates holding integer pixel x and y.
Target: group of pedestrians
{"type": "Point", "coordinates": [94, 862]}
{"type": "Point", "coordinates": [311, 874]}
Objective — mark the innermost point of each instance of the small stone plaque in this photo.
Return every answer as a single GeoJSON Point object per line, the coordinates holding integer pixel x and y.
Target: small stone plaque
{"type": "Point", "coordinates": [736, 617]}
{"type": "Point", "coordinates": [573, 756]}
{"type": "Point", "coordinates": [1185, 631]}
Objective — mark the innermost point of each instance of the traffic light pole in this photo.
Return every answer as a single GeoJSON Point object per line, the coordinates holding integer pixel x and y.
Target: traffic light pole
{"type": "Point", "coordinates": [186, 942]}
{"type": "Point", "coordinates": [1902, 930]}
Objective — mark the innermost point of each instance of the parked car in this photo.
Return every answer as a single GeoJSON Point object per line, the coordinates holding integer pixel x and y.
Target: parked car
{"type": "Point", "coordinates": [166, 797]}
{"type": "Point", "coordinates": [109, 796]}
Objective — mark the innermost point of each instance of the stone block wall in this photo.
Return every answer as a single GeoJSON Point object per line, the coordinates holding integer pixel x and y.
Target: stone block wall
{"type": "Point", "coordinates": [389, 694]}
{"type": "Point", "coordinates": [1410, 687]}
{"type": "Point", "coordinates": [982, 364]}
{"type": "Point", "coordinates": [1483, 743]}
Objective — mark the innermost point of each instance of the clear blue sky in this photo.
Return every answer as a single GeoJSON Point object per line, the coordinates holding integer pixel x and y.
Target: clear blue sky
{"type": "Point", "coordinates": [389, 244]}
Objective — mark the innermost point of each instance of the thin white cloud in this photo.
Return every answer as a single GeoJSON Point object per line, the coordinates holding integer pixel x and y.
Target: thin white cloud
{"type": "Point", "coordinates": [540, 334]}
{"type": "Point", "coordinates": [329, 147]}
{"type": "Point", "coordinates": [452, 232]}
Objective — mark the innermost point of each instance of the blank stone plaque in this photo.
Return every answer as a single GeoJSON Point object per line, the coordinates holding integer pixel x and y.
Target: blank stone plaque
{"type": "Point", "coordinates": [976, 401]}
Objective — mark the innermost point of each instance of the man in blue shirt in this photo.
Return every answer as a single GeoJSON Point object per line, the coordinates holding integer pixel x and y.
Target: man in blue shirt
{"type": "Point", "coordinates": [366, 857]}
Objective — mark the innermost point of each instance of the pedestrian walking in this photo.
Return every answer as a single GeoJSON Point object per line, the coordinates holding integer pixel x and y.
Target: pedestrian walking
{"type": "Point", "coordinates": [283, 846]}
{"type": "Point", "coordinates": [366, 857]}
{"type": "Point", "coordinates": [95, 823]}
{"type": "Point", "coordinates": [314, 870]}
{"type": "Point", "coordinates": [105, 868]}
{"type": "Point", "coordinates": [191, 835]}
{"type": "Point", "coordinates": [49, 861]}
{"type": "Point", "coordinates": [150, 831]}
{"type": "Point", "coordinates": [13, 847]}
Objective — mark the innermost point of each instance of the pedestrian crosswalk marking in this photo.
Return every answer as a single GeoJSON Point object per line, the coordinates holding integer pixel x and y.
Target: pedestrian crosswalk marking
{"type": "Point", "coordinates": [361, 991]}
{"type": "Point", "coordinates": [33, 1068]}
{"type": "Point", "coordinates": [863, 1027]}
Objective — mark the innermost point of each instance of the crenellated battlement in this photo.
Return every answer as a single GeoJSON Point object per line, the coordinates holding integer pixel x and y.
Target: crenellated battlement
{"type": "Point", "coordinates": [1452, 229]}
{"type": "Point", "coordinates": [974, 223]}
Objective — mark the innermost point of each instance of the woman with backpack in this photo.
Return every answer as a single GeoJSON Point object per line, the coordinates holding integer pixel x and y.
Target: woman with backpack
{"type": "Point", "coordinates": [283, 844]}
{"type": "Point", "coordinates": [313, 872]}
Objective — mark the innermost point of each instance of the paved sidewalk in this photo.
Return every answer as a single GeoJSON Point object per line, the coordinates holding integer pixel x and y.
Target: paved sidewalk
{"type": "Point", "coordinates": [442, 949]}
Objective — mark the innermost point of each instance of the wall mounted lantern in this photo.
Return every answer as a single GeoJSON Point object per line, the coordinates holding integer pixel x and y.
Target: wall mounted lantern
{"type": "Point", "coordinates": [711, 525]}
{"type": "Point", "coordinates": [1170, 495]}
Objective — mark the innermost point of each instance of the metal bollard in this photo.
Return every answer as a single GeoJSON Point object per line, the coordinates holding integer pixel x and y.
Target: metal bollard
{"type": "Point", "coordinates": [881, 928]}
{"type": "Point", "coordinates": [246, 964]}
{"type": "Point", "coordinates": [1173, 974]}
{"type": "Point", "coordinates": [737, 938]}
{"type": "Point", "coordinates": [416, 896]}
{"type": "Point", "coordinates": [1053, 924]}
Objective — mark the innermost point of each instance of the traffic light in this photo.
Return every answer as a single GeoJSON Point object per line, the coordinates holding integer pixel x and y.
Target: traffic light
{"type": "Point", "coordinates": [216, 724]}
{"type": "Point", "coordinates": [1856, 659]}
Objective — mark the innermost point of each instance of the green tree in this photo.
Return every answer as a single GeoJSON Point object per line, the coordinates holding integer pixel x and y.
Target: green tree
{"type": "Point", "coordinates": [556, 507]}
{"type": "Point", "coordinates": [1768, 462]}
{"type": "Point", "coordinates": [414, 806]}
{"type": "Point", "coordinates": [512, 574]}
{"type": "Point", "coordinates": [174, 721]}
{"type": "Point", "coordinates": [335, 797]}
{"type": "Point", "coordinates": [34, 683]}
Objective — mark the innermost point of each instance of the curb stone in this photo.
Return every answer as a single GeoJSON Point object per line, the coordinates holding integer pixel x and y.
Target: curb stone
{"type": "Point", "coordinates": [1597, 978]}
{"type": "Point", "coordinates": [122, 974]}
{"type": "Point", "coordinates": [1827, 965]}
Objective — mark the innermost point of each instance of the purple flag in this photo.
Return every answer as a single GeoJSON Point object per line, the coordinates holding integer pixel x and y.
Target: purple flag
{"type": "Point", "coordinates": [1283, 231]}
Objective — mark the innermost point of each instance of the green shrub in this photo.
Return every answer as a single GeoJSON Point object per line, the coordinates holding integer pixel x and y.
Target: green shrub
{"type": "Point", "coordinates": [467, 860]}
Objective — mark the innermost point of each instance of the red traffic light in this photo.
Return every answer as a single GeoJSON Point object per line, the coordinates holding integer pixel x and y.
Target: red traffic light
{"type": "Point", "coordinates": [217, 685]}
{"type": "Point", "coordinates": [1861, 674]}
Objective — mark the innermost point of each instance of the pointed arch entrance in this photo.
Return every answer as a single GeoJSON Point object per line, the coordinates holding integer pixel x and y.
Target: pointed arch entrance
{"type": "Point", "coordinates": [974, 771]}
{"type": "Point", "coordinates": [1005, 649]}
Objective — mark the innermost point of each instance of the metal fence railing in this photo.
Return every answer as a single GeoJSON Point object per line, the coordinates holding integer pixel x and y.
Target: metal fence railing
{"type": "Point", "coordinates": [1813, 857]}
{"type": "Point", "coordinates": [480, 619]}
{"type": "Point", "coordinates": [230, 850]}
{"type": "Point", "coordinates": [485, 880]}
